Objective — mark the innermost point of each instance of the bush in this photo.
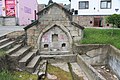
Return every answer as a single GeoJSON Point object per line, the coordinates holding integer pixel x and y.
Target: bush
{"type": "Point", "coordinates": [114, 20]}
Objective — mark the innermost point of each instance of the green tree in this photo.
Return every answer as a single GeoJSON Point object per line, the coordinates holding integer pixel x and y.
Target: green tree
{"type": "Point", "coordinates": [114, 20]}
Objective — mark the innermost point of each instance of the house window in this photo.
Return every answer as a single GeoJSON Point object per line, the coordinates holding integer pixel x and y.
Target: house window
{"type": "Point", "coordinates": [105, 4]}
{"type": "Point", "coordinates": [83, 4]}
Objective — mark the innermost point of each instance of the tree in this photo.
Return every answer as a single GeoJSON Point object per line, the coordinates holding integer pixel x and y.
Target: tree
{"type": "Point", "coordinates": [114, 20]}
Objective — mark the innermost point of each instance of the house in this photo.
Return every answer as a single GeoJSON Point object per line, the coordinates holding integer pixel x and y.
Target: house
{"type": "Point", "coordinates": [93, 12]}
{"type": "Point", "coordinates": [0, 8]}
{"type": "Point", "coordinates": [19, 12]}
{"type": "Point", "coordinates": [54, 30]}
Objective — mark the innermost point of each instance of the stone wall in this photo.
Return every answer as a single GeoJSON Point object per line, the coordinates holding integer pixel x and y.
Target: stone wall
{"type": "Point", "coordinates": [32, 36]}
{"type": "Point", "coordinates": [94, 54]}
{"type": "Point", "coordinates": [88, 21]}
{"type": "Point", "coordinates": [48, 19]}
{"type": "Point", "coordinates": [90, 72]}
{"type": "Point", "coordinates": [100, 54]}
{"type": "Point", "coordinates": [114, 60]}
{"type": "Point", "coordinates": [7, 21]}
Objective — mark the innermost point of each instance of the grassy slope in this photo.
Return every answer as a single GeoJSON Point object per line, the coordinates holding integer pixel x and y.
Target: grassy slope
{"type": "Point", "coordinates": [6, 75]}
{"type": "Point", "coordinates": [101, 36]}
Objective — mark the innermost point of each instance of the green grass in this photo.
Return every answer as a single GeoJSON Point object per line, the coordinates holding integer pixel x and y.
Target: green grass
{"type": "Point", "coordinates": [101, 36]}
{"type": "Point", "coordinates": [2, 52]}
{"type": "Point", "coordinates": [6, 75]}
{"type": "Point", "coordinates": [61, 74]}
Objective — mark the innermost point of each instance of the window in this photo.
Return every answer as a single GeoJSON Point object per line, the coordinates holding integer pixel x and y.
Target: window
{"type": "Point", "coordinates": [63, 45]}
{"type": "Point", "coordinates": [54, 37]}
{"type": "Point", "coordinates": [83, 4]}
{"type": "Point", "coordinates": [46, 46]}
{"type": "Point", "coordinates": [105, 4]}
{"type": "Point", "coordinates": [76, 12]}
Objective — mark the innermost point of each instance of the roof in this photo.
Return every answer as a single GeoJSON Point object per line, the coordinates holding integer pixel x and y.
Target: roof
{"type": "Point", "coordinates": [53, 5]}
{"type": "Point", "coordinates": [77, 25]}
{"type": "Point", "coordinates": [30, 25]}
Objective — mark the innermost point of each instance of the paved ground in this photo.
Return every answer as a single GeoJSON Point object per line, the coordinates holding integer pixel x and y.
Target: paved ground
{"type": "Point", "coordinates": [62, 65]}
{"type": "Point", "coordinates": [8, 29]}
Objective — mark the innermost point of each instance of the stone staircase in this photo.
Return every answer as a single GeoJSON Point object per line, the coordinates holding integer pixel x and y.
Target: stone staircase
{"type": "Point", "coordinates": [25, 57]}
{"type": "Point", "coordinates": [6, 43]}
{"type": "Point", "coordinates": [29, 59]}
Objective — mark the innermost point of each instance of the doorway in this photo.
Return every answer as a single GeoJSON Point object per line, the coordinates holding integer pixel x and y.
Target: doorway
{"type": "Point", "coordinates": [98, 22]}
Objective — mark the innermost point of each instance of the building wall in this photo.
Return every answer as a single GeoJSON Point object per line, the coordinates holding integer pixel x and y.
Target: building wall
{"type": "Point", "coordinates": [48, 19]}
{"type": "Point", "coordinates": [88, 21]}
{"type": "Point", "coordinates": [26, 11]}
{"type": "Point", "coordinates": [0, 8]}
{"type": "Point", "coordinates": [55, 38]}
{"type": "Point", "coordinates": [94, 8]}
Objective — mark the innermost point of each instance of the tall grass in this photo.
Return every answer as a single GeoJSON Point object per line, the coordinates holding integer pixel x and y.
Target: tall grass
{"type": "Point", "coordinates": [101, 36]}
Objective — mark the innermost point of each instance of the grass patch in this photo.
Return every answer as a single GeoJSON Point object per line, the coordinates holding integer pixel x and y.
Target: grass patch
{"type": "Point", "coordinates": [2, 52]}
{"type": "Point", "coordinates": [101, 36]}
{"type": "Point", "coordinates": [61, 74]}
{"type": "Point", "coordinates": [24, 76]}
{"type": "Point", "coordinates": [6, 75]}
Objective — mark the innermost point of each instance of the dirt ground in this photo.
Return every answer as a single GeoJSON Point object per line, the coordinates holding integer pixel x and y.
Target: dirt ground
{"type": "Point", "coordinates": [106, 72]}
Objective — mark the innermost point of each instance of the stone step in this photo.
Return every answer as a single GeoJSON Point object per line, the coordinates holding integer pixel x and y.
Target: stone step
{"type": "Point", "coordinates": [14, 49]}
{"type": "Point", "coordinates": [54, 52]}
{"type": "Point", "coordinates": [26, 59]}
{"type": "Point", "coordinates": [33, 64]}
{"type": "Point", "coordinates": [8, 45]}
{"type": "Point", "coordinates": [2, 37]}
{"type": "Point", "coordinates": [59, 58]}
{"type": "Point", "coordinates": [21, 53]}
{"type": "Point", "coordinates": [78, 71]}
{"type": "Point", "coordinates": [4, 41]}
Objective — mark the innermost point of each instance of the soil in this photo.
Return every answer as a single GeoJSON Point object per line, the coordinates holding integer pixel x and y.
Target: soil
{"type": "Point", "coordinates": [106, 72]}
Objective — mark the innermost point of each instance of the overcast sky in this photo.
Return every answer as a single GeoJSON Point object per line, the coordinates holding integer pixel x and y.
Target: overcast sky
{"type": "Point", "coordinates": [57, 1]}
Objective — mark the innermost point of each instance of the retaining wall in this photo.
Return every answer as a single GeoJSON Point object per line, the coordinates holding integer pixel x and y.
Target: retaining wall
{"type": "Point", "coordinates": [91, 73]}
{"type": "Point", "coordinates": [94, 54]}
{"type": "Point", "coordinates": [99, 54]}
{"type": "Point", "coordinates": [114, 60]}
{"type": "Point", "coordinates": [7, 21]}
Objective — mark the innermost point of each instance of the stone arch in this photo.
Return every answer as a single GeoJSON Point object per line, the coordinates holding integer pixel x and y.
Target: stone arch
{"type": "Point", "coordinates": [64, 29]}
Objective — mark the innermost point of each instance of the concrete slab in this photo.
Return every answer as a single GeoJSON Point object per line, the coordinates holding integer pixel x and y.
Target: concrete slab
{"type": "Point", "coordinates": [62, 65]}
{"type": "Point", "coordinates": [8, 29]}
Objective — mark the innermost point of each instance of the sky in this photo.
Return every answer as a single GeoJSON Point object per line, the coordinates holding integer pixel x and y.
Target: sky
{"type": "Point", "coordinates": [57, 1]}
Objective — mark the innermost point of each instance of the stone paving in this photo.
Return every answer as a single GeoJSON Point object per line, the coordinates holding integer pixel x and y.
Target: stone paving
{"type": "Point", "coordinates": [7, 29]}
{"type": "Point", "coordinates": [62, 65]}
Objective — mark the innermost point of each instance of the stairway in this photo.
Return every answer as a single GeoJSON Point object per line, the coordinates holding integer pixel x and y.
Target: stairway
{"type": "Point", "coordinates": [6, 43]}
{"type": "Point", "coordinates": [29, 59]}
{"type": "Point", "coordinates": [24, 56]}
